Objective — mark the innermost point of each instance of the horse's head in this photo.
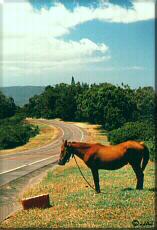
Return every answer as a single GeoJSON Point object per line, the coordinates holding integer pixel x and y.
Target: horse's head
{"type": "Point", "coordinates": [65, 153]}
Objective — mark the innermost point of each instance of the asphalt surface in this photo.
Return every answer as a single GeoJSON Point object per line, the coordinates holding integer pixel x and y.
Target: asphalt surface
{"type": "Point", "coordinates": [15, 165]}
{"type": "Point", "coordinates": [19, 170]}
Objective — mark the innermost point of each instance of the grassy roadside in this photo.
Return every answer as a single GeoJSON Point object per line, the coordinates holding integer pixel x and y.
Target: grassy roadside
{"type": "Point", "coordinates": [74, 204]}
{"type": "Point", "coordinates": [46, 135]}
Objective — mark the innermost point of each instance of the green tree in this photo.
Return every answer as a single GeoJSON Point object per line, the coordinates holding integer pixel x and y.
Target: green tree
{"type": "Point", "coordinates": [7, 106]}
{"type": "Point", "coordinates": [145, 100]}
{"type": "Point", "coordinates": [72, 81]}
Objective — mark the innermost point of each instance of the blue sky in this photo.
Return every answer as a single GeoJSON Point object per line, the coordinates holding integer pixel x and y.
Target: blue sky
{"type": "Point", "coordinates": [46, 42]}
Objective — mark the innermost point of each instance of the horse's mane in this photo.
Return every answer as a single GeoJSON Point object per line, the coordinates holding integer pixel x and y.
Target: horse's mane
{"type": "Point", "coordinates": [80, 144]}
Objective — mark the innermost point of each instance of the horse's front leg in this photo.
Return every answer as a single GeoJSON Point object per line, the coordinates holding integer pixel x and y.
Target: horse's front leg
{"type": "Point", "coordinates": [95, 174]}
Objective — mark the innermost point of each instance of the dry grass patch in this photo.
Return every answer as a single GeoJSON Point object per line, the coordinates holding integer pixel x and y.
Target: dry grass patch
{"type": "Point", "coordinates": [95, 133]}
{"type": "Point", "coordinates": [74, 204]}
{"type": "Point", "coordinates": [47, 134]}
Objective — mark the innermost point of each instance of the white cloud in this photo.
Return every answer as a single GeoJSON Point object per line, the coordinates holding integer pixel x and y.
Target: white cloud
{"type": "Point", "coordinates": [141, 10]}
{"type": "Point", "coordinates": [131, 68]}
{"type": "Point", "coordinates": [33, 39]}
{"type": "Point", "coordinates": [21, 55]}
{"type": "Point", "coordinates": [50, 49]}
{"type": "Point", "coordinates": [21, 19]}
{"type": "Point", "coordinates": [140, 68]}
{"type": "Point", "coordinates": [119, 68]}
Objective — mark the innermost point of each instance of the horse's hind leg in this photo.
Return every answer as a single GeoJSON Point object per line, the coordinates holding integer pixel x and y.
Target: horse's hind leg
{"type": "Point", "coordinates": [139, 175]}
{"type": "Point", "coordinates": [95, 174]}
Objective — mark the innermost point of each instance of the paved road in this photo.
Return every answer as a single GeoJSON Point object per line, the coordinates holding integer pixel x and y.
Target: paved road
{"type": "Point", "coordinates": [13, 166]}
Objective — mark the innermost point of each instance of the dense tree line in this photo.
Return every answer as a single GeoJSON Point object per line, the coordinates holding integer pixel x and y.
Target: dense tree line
{"type": "Point", "coordinates": [105, 104]}
{"type": "Point", "coordinates": [7, 106]}
{"type": "Point", "coordinates": [13, 129]}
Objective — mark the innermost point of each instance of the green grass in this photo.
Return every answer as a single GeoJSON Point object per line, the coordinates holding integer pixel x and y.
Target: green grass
{"type": "Point", "coordinates": [74, 204]}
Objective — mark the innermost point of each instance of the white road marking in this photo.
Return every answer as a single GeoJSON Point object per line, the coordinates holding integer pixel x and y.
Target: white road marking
{"type": "Point", "coordinates": [62, 132]}
{"type": "Point", "coordinates": [82, 134]}
{"type": "Point", "coordinates": [72, 131]}
{"type": "Point", "coordinates": [42, 159]}
{"type": "Point", "coordinates": [22, 166]}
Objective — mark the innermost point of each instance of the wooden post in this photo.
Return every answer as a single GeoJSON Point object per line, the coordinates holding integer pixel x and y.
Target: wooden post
{"type": "Point", "coordinates": [41, 201]}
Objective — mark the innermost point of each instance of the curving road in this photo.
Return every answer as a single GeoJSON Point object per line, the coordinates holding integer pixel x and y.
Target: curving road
{"type": "Point", "coordinates": [13, 166]}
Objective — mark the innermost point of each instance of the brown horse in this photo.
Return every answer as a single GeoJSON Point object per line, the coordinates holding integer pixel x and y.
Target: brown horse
{"type": "Point", "coordinates": [97, 156]}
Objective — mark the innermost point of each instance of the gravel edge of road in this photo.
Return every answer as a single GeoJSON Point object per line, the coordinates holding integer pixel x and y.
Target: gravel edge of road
{"type": "Point", "coordinates": [30, 180]}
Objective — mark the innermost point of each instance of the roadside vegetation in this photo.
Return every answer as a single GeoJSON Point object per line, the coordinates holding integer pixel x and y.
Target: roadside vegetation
{"type": "Point", "coordinates": [14, 131]}
{"type": "Point", "coordinates": [46, 134]}
{"type": "Point", "coordinates": [75, 204]}
{"type": "Point", "coordinates": [143, 130]}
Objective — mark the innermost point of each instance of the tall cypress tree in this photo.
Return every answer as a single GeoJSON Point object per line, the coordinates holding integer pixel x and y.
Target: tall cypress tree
{"type": "Point", "coordinates": [72, 81]}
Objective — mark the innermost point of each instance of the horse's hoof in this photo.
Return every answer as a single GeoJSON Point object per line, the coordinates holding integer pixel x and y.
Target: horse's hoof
{"type": "Point", "coordinates": [98, 192]}
{"type": "Point", "coordinates": [139, 188]}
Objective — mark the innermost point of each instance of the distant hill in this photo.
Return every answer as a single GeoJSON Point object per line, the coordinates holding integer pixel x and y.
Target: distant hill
{"type": "Point", "coordinates": [21, 94]}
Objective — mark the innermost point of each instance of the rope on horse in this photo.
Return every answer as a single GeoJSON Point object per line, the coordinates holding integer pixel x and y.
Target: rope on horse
{"type": "Point", "coordinates": [83, 175]}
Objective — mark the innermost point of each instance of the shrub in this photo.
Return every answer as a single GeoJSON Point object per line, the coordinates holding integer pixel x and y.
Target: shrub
{"type": "Point", "coordinates": [152, 149]}
{"type": "Point", "coordinates": [139, 131]}
{"type": "Point", "coordinates": [13, 133]}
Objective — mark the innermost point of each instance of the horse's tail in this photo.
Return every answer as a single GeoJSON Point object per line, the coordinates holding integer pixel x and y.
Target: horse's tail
{"type": "Point", "coordinates": [145, 156]}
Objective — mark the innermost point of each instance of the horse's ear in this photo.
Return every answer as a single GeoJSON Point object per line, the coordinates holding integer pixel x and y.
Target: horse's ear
{"type": "Point", "coordinates": [65, 143]}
